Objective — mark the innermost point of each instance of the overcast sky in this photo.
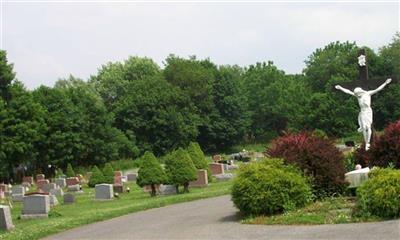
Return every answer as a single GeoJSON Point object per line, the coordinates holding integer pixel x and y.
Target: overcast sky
{"type": "Point", "coordinates": [48, 41]}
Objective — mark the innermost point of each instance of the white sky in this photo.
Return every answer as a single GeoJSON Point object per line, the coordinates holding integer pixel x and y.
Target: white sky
{"type": "Point", "coordinates": [47, 41]}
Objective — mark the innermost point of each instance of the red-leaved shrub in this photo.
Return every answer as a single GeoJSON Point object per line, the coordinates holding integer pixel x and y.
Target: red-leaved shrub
{"type": "Point", "coordinates": [384, 150]}
{"type": "Point", "coordinates": [316, 156]}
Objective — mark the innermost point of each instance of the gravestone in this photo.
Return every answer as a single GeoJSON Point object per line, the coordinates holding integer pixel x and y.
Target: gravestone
{"type": "Point", "coordinates": [35, 206]}
{"type": "Point", "coordinates": [28, 179]}
{"type": "Point", "coordinates": [117, 180]}
{"type": "Point", "coordinates": [18, 193]}
{"type": "Point", "coordinates": [40, 177]}
{"type": "Point", "coordinates": [5, 218]}
{"type": "Point", "coordinates": [61, 182]}
{"type": "Point", "coordinates": [118, 188]}
{"type": "Point", "coordinates": [57, 192]}
{"type": "Point", "coordinates": [40, 183]}
{"type": "Point", "coordinates": [216, 168]}
{"type": "Point", "coordinates": [104, 191]}
{"type": "Point", "coordinates": [74, 188]}
{"type": "Point", "coordinates": [131, 177]}
{"type": "Point", "coordinates": [4, 187]}
{"type": "Point", "coordinates": [72, 181]}
{"type": "Point", "coordinates": [69, 198]}
{"type": "Point", "coordinates": [53, 200]}
{"type": "Point", "coordinates": [26, 185]}
{"type": "Point", "coordinates": [202, 179]}
{"type": "Point", "coordinates": [117, 174]}
{"type": "Point", "coordinates": [167, 189]}
{"type": "Point", "coordinates": [223, 177]}
{"type": "Point", "coordinates": [48, 186]}
{"type": "Point", "coordinates": [147, 188]}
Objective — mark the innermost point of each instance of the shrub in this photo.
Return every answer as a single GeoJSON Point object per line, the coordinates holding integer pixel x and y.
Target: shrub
{"type": "Point", "coordinates": [96, 178]}
{"type": "Point", "coordinates": [70, 171]}
{"type": "Point", "coordinates": [180, 169]}
{"type": "Point", "coordinates": [316, 156]}
{"type": "Point", "coordinates": [380, 194]}
{"type": "Point", "coordinates": [385, 149]}
{"type": "Point", "coordinates": [59, 172]}
{"type": "Point", "coordinates": [108, 173]}
{"type": "Point", "coordinates": [150, 172]}
{"type": "Point", "coordinates": [269, 187]}
{"type": "Point", "coordinates": [198, 158]}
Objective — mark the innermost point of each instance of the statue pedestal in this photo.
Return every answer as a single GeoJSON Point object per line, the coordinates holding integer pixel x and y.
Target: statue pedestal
{"type": "Point", "coordinates": [357, 177]}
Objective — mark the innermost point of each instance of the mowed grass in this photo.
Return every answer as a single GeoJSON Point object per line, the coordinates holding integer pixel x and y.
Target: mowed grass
{"type": "Point", "coordinates": [86, 210]}
{"type": "Point", "coordinates": [329, 211]}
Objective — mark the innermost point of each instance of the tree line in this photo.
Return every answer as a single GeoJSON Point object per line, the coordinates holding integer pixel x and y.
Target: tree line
{"type": "Point", "coordinates": [133, 106]}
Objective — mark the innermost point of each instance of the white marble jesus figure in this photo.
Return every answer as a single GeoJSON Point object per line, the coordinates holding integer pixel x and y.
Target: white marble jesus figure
{"type": "Point", "coordinates": [365, 115]}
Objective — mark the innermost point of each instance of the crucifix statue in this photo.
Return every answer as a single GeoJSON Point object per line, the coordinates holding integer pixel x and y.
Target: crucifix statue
{"type": "Point", "coordinates": [363, 95]}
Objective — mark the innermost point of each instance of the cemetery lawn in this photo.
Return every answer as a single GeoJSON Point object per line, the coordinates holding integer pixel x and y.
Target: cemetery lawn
{"type": "Point", "coordinates": [329, 211]}
{"type": "Point", "coordinates": [86, 210]}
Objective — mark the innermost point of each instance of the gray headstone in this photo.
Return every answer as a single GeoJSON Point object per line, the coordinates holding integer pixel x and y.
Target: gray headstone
{"type": "Point", "coordinates": [69, 198]}
{"type": "Point", "coordinates": [5, 218]}
{"type": "Point", "coordinates": [167, 189]}
{"type": "Point", "coordinates": [57, 192]}
{"type": "Point", "coordinates": [36, 206]}
{"type": "Point", "coordinates": [74, 188]}
{"type": "Point", "coordinates": [18, 193]}
{"type": "Point", "coordinates": [17, 197]}
{"type": "Point", "coordinates": [104, 191]}
{"type": "Point", "coordinates": [17, 189]}
{"type": "Point", "coordinates": [224, 177]}
{"type": "Point", "coordinates": [61, 182]}
{"type": "Point", "coordinates": [48, 186]}
{"type": "Point", "coordinates": [131, 177]}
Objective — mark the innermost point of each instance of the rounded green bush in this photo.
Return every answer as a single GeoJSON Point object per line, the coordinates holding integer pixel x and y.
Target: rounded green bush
{"type": "Point", "coordinates": [269, 187]}
{"type": "Point", "coordinates": [380, 194]}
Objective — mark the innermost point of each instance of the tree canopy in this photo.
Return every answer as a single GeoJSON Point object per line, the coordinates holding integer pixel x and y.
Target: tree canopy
{"type": "Point", "coordinates": [133, 106]}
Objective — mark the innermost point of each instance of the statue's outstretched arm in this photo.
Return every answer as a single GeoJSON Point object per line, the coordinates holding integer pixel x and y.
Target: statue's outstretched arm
{"type": "Point", "coordinates": [344, 90]}
{"type": "Point", "coordinates": [380, 87]}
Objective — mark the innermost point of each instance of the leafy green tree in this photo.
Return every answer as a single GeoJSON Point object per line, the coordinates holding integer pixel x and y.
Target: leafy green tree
{"type": "Point", "coordinates": [150, 173]}
{"type": "Point", "coordinates": [96, 178]}
{"type": "Point", "coordinates": [7, 75]}
{"type": "Point", "coordinates": [70, 171]}
{"type": "Point", "coordinates": [390, 56]}
{"type": "Point", "coordinates": [198, 158]}
{"type": "Point", "coordinates": [23, 131]}
{"type": "Point", "coordinates": [112, 79]}
{"type": "Point", "coordinates": [158, 117]}
{"type": "Point", "coordinates": [180, 169]}
{"type": "Point", "coordinates": [275, 100]}
{"type": "Point", "coordinates": [108, 173]}
{"type": "Point", "coordinates": [80, 127]}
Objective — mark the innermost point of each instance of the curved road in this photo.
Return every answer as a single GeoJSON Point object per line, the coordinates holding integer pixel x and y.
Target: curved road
{"type": "Point", "coordinates": [215, 218]}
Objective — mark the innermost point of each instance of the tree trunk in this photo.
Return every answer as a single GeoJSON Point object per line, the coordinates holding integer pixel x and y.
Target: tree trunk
{"type": "Point", "coordinates": [186, 187]}
{"type": "Point", "coordinates": [153, 190]}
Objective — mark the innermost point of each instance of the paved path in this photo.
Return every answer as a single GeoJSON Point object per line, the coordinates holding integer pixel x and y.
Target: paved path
{"type": "Point", "coordinates": [215, 218]}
